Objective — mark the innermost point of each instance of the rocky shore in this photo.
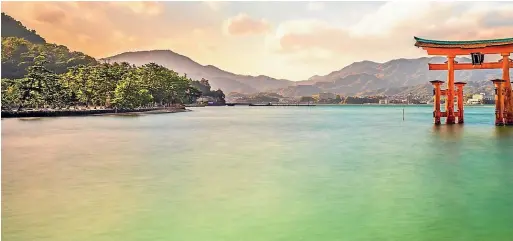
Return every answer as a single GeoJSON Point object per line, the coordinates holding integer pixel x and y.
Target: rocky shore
{"type": "Point", "coordinates": [86, 112]}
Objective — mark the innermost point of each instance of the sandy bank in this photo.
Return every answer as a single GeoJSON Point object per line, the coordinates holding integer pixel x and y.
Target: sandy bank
{"type": "Point", "coordinates": [89, 112]}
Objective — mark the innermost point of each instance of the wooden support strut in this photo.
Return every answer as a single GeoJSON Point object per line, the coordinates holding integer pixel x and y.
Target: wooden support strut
{"type": "Point", "coordinates": [459, 91]}
{"type": "Point", "coordinates": [437, 114]}
{"type": "Point", "coordinates": [469, 66]}
{"type": "Point", "coordinates": [499, 100]}
{"type": "Point", "coordinates": [508, 95]}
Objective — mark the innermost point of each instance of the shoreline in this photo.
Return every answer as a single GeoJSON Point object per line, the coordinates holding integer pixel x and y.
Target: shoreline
{"type": "Point", "coordinates": [91, 112]}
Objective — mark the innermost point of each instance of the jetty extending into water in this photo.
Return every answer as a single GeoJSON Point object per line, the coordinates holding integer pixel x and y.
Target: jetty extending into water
{"type": "Point", "coordinates": [269, 104]}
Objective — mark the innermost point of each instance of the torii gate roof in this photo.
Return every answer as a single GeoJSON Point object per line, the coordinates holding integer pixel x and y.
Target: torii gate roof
{"type": "Point", "coordinates": [472, 44]}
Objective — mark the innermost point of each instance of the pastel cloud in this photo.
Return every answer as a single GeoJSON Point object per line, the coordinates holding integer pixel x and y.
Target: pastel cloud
{"type": "Point", "coordinates": [50, 15]}
{"type": "Point", "coordinates": [243, 24]}
{"type": "Point", "coordinates": [101, 29]}
{"type": "Point", "coordinates": [388, 32]}
{"type": "Point", "coordinates": [149, 8]}
{"type": "Point", "coordinates": [292, 40]}
{"type": "Point", "coordinates": [315, 6]}
{"type": "Point", "coordinates": [215, 5]}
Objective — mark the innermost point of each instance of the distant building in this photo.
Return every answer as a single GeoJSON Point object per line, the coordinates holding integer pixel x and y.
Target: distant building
{"type": "Point", "coordinates": [287, 100]}
{"type": "Point", "coordinates": [383, 102]}
{"type": "Point", "coordinates": [327, 96]}
{"type": "Point", "coordinates": [478, 96]}
{"type": "Point", "coordinates": [205, 99]}
{"type": "Point", "coordinates": [476, 99]}
{"type": "Point", "coordinates": [473, 102]}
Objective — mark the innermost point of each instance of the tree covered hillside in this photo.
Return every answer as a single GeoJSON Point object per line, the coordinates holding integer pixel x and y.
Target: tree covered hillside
{"type": "Point", "coordinates": [39, 74]}
{"type": "Point", "coordinates": [21, 46]}
{"type": "Point", "coordinates": [13, 28]}
{"type": "Point", "coordinates": [18, 54]}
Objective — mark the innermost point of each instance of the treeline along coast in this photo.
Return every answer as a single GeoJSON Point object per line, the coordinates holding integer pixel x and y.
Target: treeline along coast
{"type": "Point", "coordinates": [39, 77]}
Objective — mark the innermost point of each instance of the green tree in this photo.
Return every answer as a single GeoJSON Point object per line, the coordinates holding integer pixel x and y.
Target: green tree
{"type": "Point", "coordinates": [18, 54]}
{"type": "Point", "coordinates": [338, 99]}
{"type": "Point", "coordinates": [13, 28]}
{"type": "Point", "coordinates": [159, 81]}
{"type": "Point", "coordinates": [204, 87]}
{"type": "Point", "coordinates": [10, 93]}
{"type": "Point", "coordinates": [130, 93]}
{"type": "Point", "coordinates": [192, 94]}
{"type": "Point", "coordinates": [40, 86]}
{"type": "Point", "coordinates": [307, 99]}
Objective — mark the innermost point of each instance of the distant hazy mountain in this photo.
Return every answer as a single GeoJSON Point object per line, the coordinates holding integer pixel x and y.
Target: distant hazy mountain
{"type": "Point", "coordinates": [359, 78]}
{"type": "Point", "coordinates": [392, 77]}
{"type": "Point", "coordinates": [355, 79]}
{"type": "Point", "coordinates": [218, 78]}
{"type": "Point", "coordinates": [425, 91]}
{"type": "Point", "coordinates": [417, 90]}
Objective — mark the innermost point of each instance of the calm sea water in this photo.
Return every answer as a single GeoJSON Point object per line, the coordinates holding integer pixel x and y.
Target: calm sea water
{"type": "Point", "coordinates": [259, 173]}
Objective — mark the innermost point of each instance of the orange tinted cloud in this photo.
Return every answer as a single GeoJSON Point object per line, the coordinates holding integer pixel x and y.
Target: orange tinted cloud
{"type": "Point", "coordinates": [51, 16]}
{"type": "Point", "coordinates": [149, 8]}
{"type": "Point", "coordinates": [101, 29]}
{"type": "Point", "coordinates": [215, 5]}
{"type": "Point", "coordinates": [280, 45]}
{"type": "Point", "coordinates": [243, 24]}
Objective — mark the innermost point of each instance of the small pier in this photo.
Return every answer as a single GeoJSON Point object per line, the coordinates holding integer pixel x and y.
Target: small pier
{"type": "Point", "coordinates": [270, 104]}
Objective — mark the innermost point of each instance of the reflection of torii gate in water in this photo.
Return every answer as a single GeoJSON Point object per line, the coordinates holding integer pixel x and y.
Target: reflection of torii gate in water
{"type": "Point", "coordinates": [476, 49]}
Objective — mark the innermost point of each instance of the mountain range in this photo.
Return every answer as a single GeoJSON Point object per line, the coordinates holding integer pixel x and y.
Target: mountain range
{"type": "Point", "coordinates": [218, 78]}
{"type": "Point", "coordinates": [359, 78]}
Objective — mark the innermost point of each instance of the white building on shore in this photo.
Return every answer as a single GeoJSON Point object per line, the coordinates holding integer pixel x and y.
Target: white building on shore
{"type": "Point", "coordinates": [476, 99]}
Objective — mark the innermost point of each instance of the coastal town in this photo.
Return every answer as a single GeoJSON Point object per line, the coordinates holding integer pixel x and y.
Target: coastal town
{"type": "Point", "coordinates": [332, 98]}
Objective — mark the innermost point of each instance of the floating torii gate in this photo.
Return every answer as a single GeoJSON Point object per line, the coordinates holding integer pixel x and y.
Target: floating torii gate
{"type": "Point", "coordinates": [476, 49]}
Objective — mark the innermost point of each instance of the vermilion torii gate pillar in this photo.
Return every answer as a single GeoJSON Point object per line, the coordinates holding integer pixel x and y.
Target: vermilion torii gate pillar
{"type": "Point", "coordinates": [437, 92]}
{"type": "Point", "coordinates": [508, 104]}
{"type": "Point", "coordinates": [499, 100]}
{"type": "Point", "coordinates": [476, 49]}
{"type": "Point", "coordinates": [459, 91]}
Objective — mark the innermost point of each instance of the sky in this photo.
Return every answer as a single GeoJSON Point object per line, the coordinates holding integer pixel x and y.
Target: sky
{"type": "Point", "coordinates": [289, 40]}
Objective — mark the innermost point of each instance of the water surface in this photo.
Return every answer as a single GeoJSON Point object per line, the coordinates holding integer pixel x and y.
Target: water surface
{"type": "Point", "coordinates": [259, 173]}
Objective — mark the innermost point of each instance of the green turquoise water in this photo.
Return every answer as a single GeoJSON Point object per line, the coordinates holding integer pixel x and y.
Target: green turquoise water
{"type": "Point", "coordinates": [259, 173]}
